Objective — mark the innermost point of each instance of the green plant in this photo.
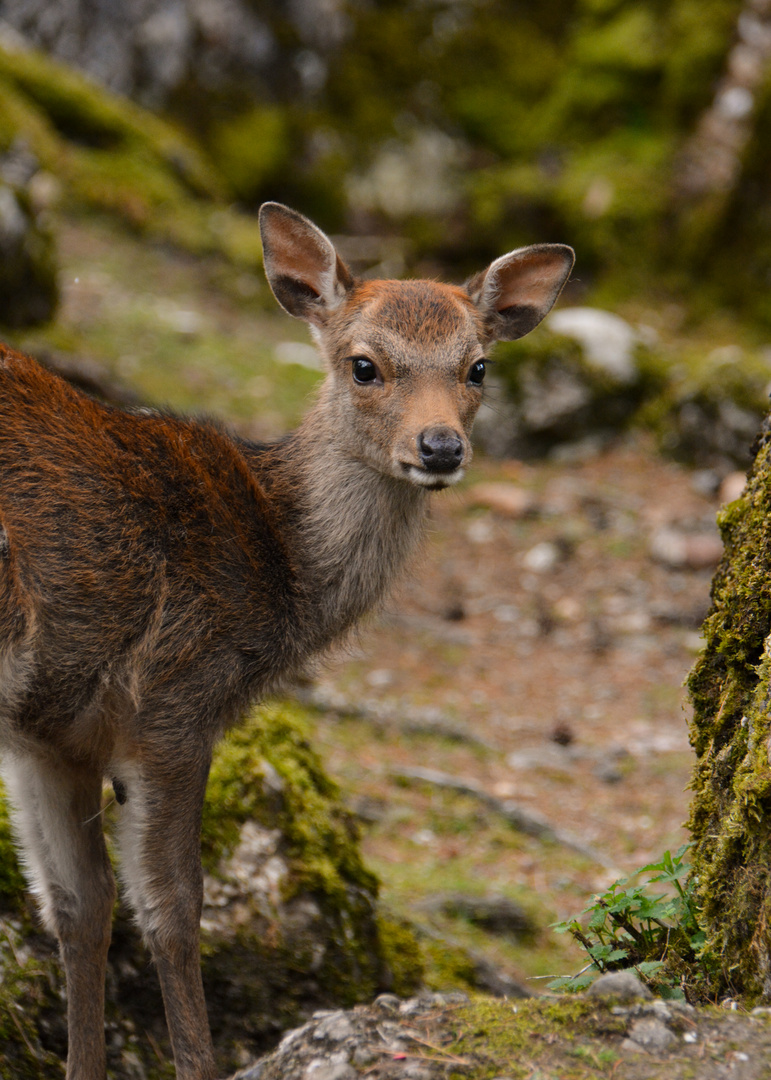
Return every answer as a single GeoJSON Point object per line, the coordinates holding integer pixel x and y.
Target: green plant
{"type": "Point", "coordinates": [657, 934]}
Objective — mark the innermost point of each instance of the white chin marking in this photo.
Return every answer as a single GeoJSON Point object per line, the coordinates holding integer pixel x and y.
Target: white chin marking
{"type": "Point", "coordinates": [426, 479]}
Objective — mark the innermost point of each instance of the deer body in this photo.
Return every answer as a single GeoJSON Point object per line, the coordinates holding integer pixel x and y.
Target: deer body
{"type": "Point", "coordinates": [157, 575]}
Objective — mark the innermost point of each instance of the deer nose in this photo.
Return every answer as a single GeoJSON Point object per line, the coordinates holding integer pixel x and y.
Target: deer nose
{"type": "Point", "coordinates": [441, 451]}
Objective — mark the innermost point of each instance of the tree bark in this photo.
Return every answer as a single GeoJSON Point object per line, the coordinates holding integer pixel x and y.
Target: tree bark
{"type": "Point", "coordinates": [730, 688]}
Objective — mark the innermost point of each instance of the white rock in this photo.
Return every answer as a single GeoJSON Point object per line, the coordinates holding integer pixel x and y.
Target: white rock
{"type": "Point", "coordinates": [608, 340]}
{"type": "Point", "coordinates": [542, 557]}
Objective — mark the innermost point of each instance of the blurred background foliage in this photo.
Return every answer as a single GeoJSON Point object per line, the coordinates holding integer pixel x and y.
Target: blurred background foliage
{"type": "Point", "coordinates": [428, 136]}
{"type": "Point", "coordinates": [466, 126]}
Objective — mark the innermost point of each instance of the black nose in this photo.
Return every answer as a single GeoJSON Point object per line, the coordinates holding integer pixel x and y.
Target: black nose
{"type": "Point", "coordinates": [441, 451]}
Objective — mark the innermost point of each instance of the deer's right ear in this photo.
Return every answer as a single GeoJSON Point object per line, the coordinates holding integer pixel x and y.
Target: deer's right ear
{"type": "Point", "coordinates": [519, 289]}
{"type": "Point", "coordinates": [307, 276]}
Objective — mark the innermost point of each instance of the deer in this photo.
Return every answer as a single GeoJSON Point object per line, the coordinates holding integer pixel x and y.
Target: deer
{"type": "Point", "coordinates": [159, 575]}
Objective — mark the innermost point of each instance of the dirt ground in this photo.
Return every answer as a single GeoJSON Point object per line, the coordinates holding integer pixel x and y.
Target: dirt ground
{"type": "Point", "coordinates": [560, 640]}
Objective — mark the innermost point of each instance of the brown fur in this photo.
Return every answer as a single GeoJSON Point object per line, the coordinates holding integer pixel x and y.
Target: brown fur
{"type": "Point", "coordinates": [157, 575]}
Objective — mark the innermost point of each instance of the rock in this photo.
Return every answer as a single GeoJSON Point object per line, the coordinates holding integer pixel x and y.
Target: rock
{"type": "Point", "coordinates": [650, 1034]}
{"type": "Point", "coordinates": [694, 551]}
{"type": "Point", "coordinates": [608, 340]}
{"type": "Point", "coordinates": [732, 487]}
{"type": "Point", "coordinates": [495, 914]}
{"type": "Point", "coordinates": [336, 1067]}
{"type": "Point", "coordinates": [148, 51]}
{"type": "Point", "coordinates": [542, 557]}
{"type": "Point", "coordinates": [335, 1027]}
{"type": "Point", "coordinates": [618, 986]}
{"type": "Point", "coordinates": [387, 1003]}
{"type": "Point", "coordinates": [503, 498]}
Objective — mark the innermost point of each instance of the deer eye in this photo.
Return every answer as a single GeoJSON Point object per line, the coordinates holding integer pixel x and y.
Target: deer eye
{"type": "Point", "coordinates": [476, 375]}
{"type": "Point", "coordinates": [364, 371]}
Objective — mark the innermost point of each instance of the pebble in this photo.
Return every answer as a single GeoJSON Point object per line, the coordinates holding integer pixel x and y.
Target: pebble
{"type": "Point", "coordinates": [507, 500]}
{"type": "Point", "coordinates": [416, 1071]}
{"type": "Point", "coordinates": [732, 487]}
{"type": "Point", "coordinates": [694, 551]}
{"type": "Point", "coordinates": [364, 1055]}
{"type": "Point", "coordinates": [542, 557]}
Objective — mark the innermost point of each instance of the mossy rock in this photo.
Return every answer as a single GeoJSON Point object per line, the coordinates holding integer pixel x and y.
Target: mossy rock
{"type": "Point", "coordinates": [703, 407]}
{"type": "Point", "coordinates": [114, 156]}
{"type": "Point", "coordinates": [708, 406]}
{"type": "Point", "coordinates": [555, 395]}
{"type": "Point", "coordinates": [730, 687]}
{"type": "Point", "coordinates": [290, 919]}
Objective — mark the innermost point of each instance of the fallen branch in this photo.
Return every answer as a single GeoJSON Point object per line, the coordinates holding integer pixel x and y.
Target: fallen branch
{"type": "Point", "coordinates": [406, 720]}
{"type": "Point", "coordinates": [522, 820]}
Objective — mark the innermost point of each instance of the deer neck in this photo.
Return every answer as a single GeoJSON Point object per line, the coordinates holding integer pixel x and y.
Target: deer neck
{"type": "Point", "coordinates": [351, 528]}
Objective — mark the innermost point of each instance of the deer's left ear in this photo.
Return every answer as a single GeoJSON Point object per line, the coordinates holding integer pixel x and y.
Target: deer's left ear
{"type": "Point", "coordinates": [307, 276]}
{"type": "Point", "coordinates": [519, 289]}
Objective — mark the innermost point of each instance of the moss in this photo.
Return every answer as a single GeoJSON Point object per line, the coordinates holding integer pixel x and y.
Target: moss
{"type": "Point", "coordinates": [252, 149]}
{"type": "Point", "coordinates": [706, 404]}
{"type": "Point", "coordinates": [109, 154]}
{"type": "Point", "coordinates": [522, 1040]}
{"type": "Point", "coordinates": [26, 994]}
{"type": "Point", "coordinates": [87, 115]}
{"type": "Point", "coordinates": [448, 967]}
{"type": "Point", "coordinates": [12, 884]}
{"type": "Point", "coordinates": [402, 954]}
{"type": "Point", "coordinates": [730, 688]}
{"type": "Point", "coordinates": [320, 835]}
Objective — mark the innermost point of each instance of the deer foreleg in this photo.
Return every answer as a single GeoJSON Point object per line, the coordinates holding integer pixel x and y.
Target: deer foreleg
{"type": "Point", "coordinates": [58, 820]}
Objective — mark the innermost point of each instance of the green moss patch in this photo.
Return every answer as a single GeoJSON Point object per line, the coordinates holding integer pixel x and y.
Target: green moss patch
{"type": "Point", "coordinates": [531, 1038]}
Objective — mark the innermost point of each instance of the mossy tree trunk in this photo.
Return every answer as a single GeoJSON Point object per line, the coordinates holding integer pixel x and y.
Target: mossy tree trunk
{"type": "Point", "coordinates": [730, 688]}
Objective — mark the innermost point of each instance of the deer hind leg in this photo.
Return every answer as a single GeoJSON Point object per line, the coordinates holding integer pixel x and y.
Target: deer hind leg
{"type": "Point", "coordinates": [56, 811]}
{"type": "Point", "coordinates": [159, 838]}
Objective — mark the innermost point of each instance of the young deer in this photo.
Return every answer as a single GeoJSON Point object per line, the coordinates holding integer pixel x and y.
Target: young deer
{"type": "Point", "coordinates": [157, 575]}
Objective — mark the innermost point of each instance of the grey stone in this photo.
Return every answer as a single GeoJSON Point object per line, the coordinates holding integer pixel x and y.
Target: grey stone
{"type": "Point", "coordinates": [332, 1068]}
{"type": "Point", "coordinates": [416, 1071]}
{"type": "Point", "coordinates": [652, 1035]}
{"type": "Point", "coordinates": [618, 986]}
{"type": "Point", "coordinates": [364, 1055]}
{"type": "Point", "coordinates": [335, 1027]}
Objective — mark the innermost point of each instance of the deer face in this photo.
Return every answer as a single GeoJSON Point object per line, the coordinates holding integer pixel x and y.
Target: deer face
{"type": "Point", "coordinates": [407, 364]}
{"type": "Point", "coordinates": [406, 360]}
